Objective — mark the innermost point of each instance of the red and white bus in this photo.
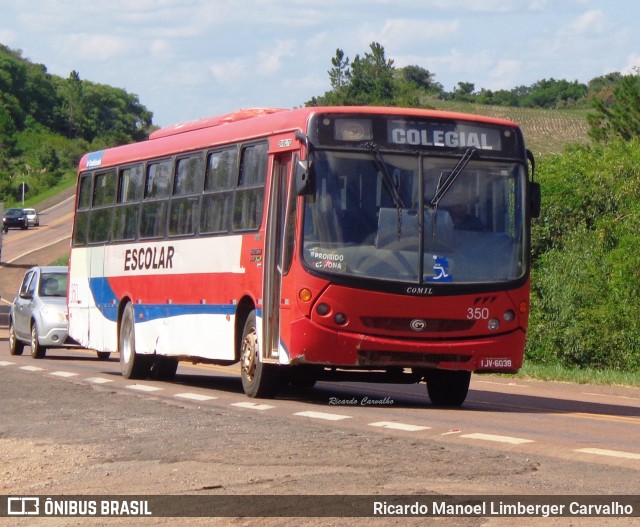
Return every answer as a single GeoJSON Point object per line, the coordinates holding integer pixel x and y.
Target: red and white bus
{"type": "Point", "coordinates": [373, 243]}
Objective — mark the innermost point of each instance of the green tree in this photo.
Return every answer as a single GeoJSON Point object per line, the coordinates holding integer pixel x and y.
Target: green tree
{"type": "Point", "coordinates": [75, 106]}
{"type": "Point", "coordinates": [372, 78]}
{"type": "Point", "coordinates": [621, 116]}
{"type": "Point", "coordinates": [340, 73]}
{"type": "Point", "coordinates": [463, 92]}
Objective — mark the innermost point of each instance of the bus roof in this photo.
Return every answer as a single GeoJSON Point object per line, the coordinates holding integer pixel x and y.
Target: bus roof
{"type": "Point", "coordinates": [247, 124]}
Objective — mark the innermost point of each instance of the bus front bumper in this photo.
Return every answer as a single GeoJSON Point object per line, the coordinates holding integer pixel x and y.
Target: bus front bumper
{"type": "Point", "coordinates": [313, 344]}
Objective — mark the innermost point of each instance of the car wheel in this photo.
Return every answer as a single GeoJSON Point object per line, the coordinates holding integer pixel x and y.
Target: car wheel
{"type": "Point", "coordinates": [16, 347]}
{"type": "Point", "coordinates": [37, 351]}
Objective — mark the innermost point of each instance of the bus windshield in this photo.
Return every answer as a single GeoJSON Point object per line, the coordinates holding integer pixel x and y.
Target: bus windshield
{"type": "Point", "coordinates": [388, 217]}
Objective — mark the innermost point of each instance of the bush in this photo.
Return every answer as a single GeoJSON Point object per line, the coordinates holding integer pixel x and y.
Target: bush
{"type": "Point", "coordinates": [586, 275]}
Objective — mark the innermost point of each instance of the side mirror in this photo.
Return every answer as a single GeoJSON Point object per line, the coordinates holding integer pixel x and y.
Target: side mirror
{"type": "Point", "coordinates": [304, 178]}
{"type": "Point", "coordinates": [536, 199]}
{"type": "Point", "coordinates": [535, 194]}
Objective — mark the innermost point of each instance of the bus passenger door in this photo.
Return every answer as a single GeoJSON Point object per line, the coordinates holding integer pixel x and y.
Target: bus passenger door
{"type": "Point", "coordinates": [277, 297]}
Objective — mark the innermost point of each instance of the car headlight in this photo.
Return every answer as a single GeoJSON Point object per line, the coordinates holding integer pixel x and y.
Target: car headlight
{"type": "Point", "coordinates": [54, 314]}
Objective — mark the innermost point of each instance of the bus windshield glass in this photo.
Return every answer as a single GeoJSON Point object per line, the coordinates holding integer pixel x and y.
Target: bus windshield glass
{"type": "Point", "coordinates": [415, 218]}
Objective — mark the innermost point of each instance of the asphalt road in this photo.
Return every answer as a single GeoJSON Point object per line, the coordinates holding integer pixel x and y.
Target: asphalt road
{"type": "Point", "coordinates": [71, 424]}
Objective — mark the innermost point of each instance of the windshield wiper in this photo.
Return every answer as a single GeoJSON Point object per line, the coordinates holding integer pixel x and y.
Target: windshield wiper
{"type": "Point", "coordinates": [444, 186]}
{"type": "Point", "coordinates": [387, 179]}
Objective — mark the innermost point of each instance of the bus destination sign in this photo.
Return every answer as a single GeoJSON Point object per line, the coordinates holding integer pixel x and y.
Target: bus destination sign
{"type": "Point", "coordinates": [444, 135]}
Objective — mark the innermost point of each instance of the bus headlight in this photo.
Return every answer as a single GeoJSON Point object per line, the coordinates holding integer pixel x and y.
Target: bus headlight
{"type": "Point", "coordinates": [509, 316]}
{"type": "Point", "coordinates": [340, 319]}
{"type": "Point", "coordinates": [493, 324]}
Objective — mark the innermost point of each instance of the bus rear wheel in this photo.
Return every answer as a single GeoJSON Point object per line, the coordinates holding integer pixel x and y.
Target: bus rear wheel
{"type": "Point", "coordinates": [448, 387]}
{"type": "Point", "coordinates": [258, 379]}
{"type": "Point", "coordinates": [133, 365]}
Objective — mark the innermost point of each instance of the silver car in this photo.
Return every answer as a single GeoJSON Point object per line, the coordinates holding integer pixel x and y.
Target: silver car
{"type": "Point", "coordinates": [38, 315]}
{"type": "Point", "coordinates": [32, 217]}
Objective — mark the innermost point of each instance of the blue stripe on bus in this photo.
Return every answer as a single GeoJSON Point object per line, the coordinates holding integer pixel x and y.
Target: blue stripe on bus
{"type": "Point", "coordinates": [107, 303]}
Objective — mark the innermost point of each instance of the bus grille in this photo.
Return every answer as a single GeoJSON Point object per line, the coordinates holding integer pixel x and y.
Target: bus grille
{"type": "Point", "coordinates": [401, 358]}
{"type": "Point", "coordinates": [439, 325]}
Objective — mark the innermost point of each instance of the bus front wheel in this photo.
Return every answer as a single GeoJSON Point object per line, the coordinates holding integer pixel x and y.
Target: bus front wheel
{"type": "Point", "coordinates": [258, 379]}
{"type": "Point", "coordinates": [448, 387]}
{"type": "Point", "coordinates": [133, 365]}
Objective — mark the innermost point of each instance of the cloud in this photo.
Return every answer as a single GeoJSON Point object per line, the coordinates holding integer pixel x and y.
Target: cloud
{"type": "Point", "coordinates": [400, 32]}
{"type": "Point", "coordinates": [270, 62]}
{"type": "Point", "coordinates": [7, 36]}
{"type": "Point", "coordinates": [229, 71]}
{"type": "Point", "coordinates": [504, 74]}
{"type": "Point", "coordinates": [161, 48]}
{"type": "Point", "coordinates": [94, 47]}
{"type": "Point", "coordinates": [633, 65]}
{"type": "Point", "coordinates": [592, 22]}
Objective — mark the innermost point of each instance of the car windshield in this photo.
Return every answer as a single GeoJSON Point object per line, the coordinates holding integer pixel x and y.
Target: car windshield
{"type": "Point", "coordinates": [14, 212]}
{"type": "Point", "coordinates": [53, 284]}
{"type": "Point", "coordinates": [416, 219]}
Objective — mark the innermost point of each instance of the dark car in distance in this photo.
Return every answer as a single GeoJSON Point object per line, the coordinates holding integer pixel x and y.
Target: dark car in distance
{"type": "Point", "coordinates": [15, 218]}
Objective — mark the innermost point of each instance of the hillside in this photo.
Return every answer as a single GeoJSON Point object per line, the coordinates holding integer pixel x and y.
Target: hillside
{"type": "Point", "coordinates": [545, 131]}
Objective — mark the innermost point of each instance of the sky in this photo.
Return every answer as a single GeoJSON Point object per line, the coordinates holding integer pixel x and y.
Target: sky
{"type": "Point", "coordinates": [188, 59]}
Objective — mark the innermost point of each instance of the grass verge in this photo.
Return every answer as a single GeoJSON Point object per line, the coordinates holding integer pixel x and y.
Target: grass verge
{"type": "Point", "coordinates": [559, 373]}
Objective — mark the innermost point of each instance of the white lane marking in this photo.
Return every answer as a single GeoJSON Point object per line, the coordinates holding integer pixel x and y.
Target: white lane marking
{"type": "Point", "coordinates": [31, 368]}
{"type": "Point", "coordinates": [323, 415]}
{"type": "Point", "coordinates": [499, 439]}
{"type": "Point", "coordinates": [194, 396]}
{"type": "Point", "coordinates": [98, 380]}
{"type": "Point", "coordinates": [6, 363]}
{"type": "Point", "coordinates": [450, 432]}
{"type": "Point", "coordinates": [63, 374]}
{"type": "Point", "coordinates": [611, 396]}
{"type": "Point", "coordinates": [253, 406]}
{"type": "Point", "coordinates": [399, 426]}
{"type": "Point", "coordinates": [610, 453]}
{"type": "Point", "coordinates": [504, 384]}
{"type": "Point", "coordinates": [143, 388]}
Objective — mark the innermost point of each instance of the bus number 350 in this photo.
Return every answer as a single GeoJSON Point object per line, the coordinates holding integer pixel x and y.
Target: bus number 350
{"type": "Point", "coordinates": [477, 313]}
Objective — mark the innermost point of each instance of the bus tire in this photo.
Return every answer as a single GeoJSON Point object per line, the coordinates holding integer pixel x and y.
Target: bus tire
{"type": "Point", "coordinates": [164, 368]}
{"type": "Point", "coordinates": [448, 387]}
{"type": "Point", "coordinates": [133, 365]}
{"type": "Point", "coordinates": [16, 347]}
{"type": "Point", "coordinates": [258, 379]}
{"type": "Point", "coordinates": [301, 377]}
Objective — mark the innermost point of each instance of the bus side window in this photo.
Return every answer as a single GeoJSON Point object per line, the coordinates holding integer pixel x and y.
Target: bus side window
{"type": "Point", "coordinates": [248, 204]}
{"type": "Point", "coordinates": [183, 213]}
{"type": "Point", "coordinates": [104, 197]}
{"type": "Point", "coordinates": [153, 213]}
{"type": "Point", "coordinates": [82, 213]}
{"type": "Point", "coordinates": [130, 190]}
{"type": "Point", "coordinates": [221, 175]}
